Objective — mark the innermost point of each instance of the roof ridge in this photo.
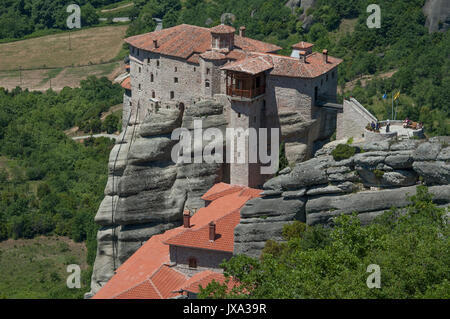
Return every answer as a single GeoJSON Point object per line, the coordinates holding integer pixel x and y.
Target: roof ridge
{"type": "Point", "coordinates": [132, 287]}
{"type": "Point", "coordinates": [156, 288]}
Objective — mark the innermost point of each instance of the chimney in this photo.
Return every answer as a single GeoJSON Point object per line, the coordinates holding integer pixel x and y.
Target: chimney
{"type": "Point", "coordinates": [325, 55]}
{"type": "Point", "coordinates": [186, 219]}
{"type": "Point", "coordinates": [212, 231]}
{"type": "Point", "coordinates": [302, 56]}
{"type": "Point", "coordinates": [155, 43]}
{"type": "Point", "coordinates": [242, 31]}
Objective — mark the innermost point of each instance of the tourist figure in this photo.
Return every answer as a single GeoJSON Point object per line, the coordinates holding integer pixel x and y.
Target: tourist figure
{"type": "Point", "coordinates": [377, 126]}
{"type": "Point", "coordinates": [372, 125]}
{"type": "Point", "coordinates": [388, 124]}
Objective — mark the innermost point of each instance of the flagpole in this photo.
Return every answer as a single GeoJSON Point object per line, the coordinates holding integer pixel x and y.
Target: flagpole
{"type": "Point", "coordinates": [392, 112]}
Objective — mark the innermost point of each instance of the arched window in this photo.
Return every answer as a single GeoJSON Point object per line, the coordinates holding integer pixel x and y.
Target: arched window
{"type": "Point", "coordinates": [151, 77]}
{"type": "Point", "coordinates": [192, 262]}
{"type": "Point", "coordinates": [153, 94]}
{"type": "Point", "coordinates": [207, 83]}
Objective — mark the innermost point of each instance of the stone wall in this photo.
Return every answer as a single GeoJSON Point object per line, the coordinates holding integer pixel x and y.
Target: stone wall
{"type": "Point", "coordinates": [206, 259]}
{"type": "Point", "coordinates": [353, 120]}
{"type": "Point", "coordinates": [369, 183]}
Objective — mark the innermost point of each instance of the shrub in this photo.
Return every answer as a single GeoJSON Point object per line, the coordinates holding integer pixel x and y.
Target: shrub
{"type": "Point", "coordinates": [343, 151]}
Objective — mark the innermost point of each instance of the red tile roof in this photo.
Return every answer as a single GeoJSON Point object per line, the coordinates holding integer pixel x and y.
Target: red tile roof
{"type": "Point", "coordinates": [203, 279]}
{"type": "Point", "coordinates": [213, 55]}
{"type": "Point", "coordinates": [144, 274]}
{"type": "Point", "coordinates": [250, 65]}
{"type": "Point", "coordinates": [143, 290]}
{"type": "Point", "coordinates": [220, 190]}
{"type": "Point", "coordinates": [185, 40]}
{"type": "Point", "coordinates": [126, 84]}
{"type": "Point", "coordinates": [302, 45]}
{"type": "Point", "coordinates": [222, 29]}
{"type": "Point", "coordinates": [281, 65]}
{"type": "Point", "coordinates": [199, 237]}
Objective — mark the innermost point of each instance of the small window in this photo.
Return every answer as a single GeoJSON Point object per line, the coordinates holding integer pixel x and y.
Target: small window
{"type": "Point", "coordinates": [195, 69]}
{"type": "Point", "coordinates": [326, 79]}
{"type": "Point", "coordinates": [333, 74]}
{"type": "Point", "coordinates": [176, 69]}
{"type": "Point", "coordinates": [192, 262]}
{"type": "Point", "coordinates": [172, 94]}
{"type": "Point", "coordinates": [139, 69]}
{"type": "Point", "coordinates": [157, 63]}
{"type": "Point", "coordinates": [239, 114]}
{"type": "Point", "coordinates": [139, 86]}
{"type": "Point", "coordinates": [148, 60]}
{"type": "Point", "coordinates": [207, 70]}
{"type": "Point", "coordinates": [138, 52]}
{"type": "Point", "coordinates": [153, 94]}
{"type": "Point", "coordinates": [132, 50]}
{"type": "Point", "coordinates": [207, 83]}
{"type": "Point", "coordinates": [151, 77]}
{"type": "Point", "coordinates": [175, 80]}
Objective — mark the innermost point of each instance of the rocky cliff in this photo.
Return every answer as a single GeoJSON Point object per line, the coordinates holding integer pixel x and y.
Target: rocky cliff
{"type": "Point", "coordinates": [438, 15]}
{"type": "Point", "coordinates": [381, 176]}
{"type": "Point", "coordinates": [146, 191]}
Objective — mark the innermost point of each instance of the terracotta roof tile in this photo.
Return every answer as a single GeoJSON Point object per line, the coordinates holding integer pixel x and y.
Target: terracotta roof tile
{"type": "Point", "coordinates": [222, 29]}
{"type": "Point", "coordinates": [252, 45]}
{"type": "Point", "coordinates": [199, 237]}
{"type": "Point", "coordinates": [302, 45]}
{"type": "Point", "coordinates": [213, 55]}
{"type": "Point", "coordinates": [250, 65]}
{"type": "Point", "coordinates": [144, 290]}
{"type": "Point", "coordinates": [284, 65]}
{"type": "Point", "coordinates": [204, 278]}
{"type": "Point", "coordinates": [126, 84]}
{"type": "Point", "coordinates": [144, 275]}
{"type": "Point", "coordinates": [168, 280]}
{"type": "Point", "coordinates": [185, 41]}
{"type": "Point", "coordinates": [220, 190]}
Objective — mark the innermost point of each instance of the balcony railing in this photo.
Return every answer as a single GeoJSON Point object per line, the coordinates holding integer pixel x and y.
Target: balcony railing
{"type": "Point", "coordinates": [251, 93]}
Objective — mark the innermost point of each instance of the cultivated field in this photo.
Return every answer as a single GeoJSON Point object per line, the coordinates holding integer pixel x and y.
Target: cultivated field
{"type": "Point", "coordinates": [53, 61]}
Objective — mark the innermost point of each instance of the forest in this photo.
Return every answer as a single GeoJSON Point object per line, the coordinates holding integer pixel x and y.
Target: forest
{"type": "Point", "coordinates": [410, 247]}
{"type": "Point", "coordinates": [50, 184]}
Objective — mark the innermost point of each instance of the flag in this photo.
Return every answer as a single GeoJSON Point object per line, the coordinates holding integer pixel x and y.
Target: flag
{"type": "Point", "coordinates": [385, 96]}
{"type": "Point", "coordinates": [396, 95]}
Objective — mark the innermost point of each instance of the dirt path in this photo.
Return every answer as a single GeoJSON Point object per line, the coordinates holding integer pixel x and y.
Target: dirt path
{"type": "Point", "coordinates": [118, 8]}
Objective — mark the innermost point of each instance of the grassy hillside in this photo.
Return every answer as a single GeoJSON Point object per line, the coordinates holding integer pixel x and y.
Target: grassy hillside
{"type": "Point", "coordinates": [89, 46]}
{"type": "Point", "coordinates": [36, 268]}
{"type": "Point", "coordinates": [47, 62]}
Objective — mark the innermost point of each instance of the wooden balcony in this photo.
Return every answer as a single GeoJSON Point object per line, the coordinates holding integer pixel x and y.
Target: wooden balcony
{"type": "Point", "coordinates": [250, 93]}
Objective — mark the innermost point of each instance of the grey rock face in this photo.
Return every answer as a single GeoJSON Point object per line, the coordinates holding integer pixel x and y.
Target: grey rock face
{"type": "Point", "coordinates": [263, 219]}
{"type": "Point", "coordinates": [308, 173]}
{"type": "Point", "coordinates": [325, 189]}
{"type": "Point", "coordinates": [427, 151]}
{"type": "Point", "coordinates": [433, 172]}
{"type": "Point", "coordinates": [146, 192]}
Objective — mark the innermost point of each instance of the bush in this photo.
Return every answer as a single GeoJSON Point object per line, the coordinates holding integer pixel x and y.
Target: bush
{"type": "Point", "coordinates": [343, 151]}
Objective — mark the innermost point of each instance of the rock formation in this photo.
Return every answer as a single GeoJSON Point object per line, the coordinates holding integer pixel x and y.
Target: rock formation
{"type": "Point", "coordinates": [438, 15]}
{"type": "Point", "coordinates": [381, 176]}
{"type": "Point", "coordinates": [146, 191]}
